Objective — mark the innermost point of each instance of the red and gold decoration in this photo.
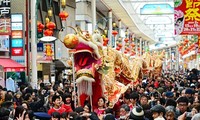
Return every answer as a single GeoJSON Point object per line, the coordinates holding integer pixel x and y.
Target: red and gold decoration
{"type": "Point", "coordinates": [114, 33]}
{"type": "Point", "coordinates": [105, 41]}
{"type": "Point", "coordinates": [40, 26]}
{"type": "Point", "coordinates": [48, 32]}
{"type": "Point", "coordinates": [48, 51]}
{"type": "Point", "coordinates": [63, 15]}
{"type": "Point", "coordinates": [51, 25]}
{"type": "Point", "coordinates": [71, 41]}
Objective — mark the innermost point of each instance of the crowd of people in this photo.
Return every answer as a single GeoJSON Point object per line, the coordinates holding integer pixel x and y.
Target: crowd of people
{"type": "Point", "coordinates": [172, 96]}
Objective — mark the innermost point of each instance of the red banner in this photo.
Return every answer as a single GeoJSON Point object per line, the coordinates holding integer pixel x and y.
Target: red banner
{"type": "Point", "coordinates": [187, 17]}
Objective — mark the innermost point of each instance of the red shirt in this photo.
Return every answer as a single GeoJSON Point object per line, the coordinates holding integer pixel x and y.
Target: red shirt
{"type": "Point", "coordinates": [60, 110]}
{"type": "Point", "coordinates": [68, 108]}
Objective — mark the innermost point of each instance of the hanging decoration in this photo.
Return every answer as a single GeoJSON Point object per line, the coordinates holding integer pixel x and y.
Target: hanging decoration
{"type": "Point", "coordinates": [63, 15]}
{"type": "Point", "coordinates": [40, 27]}
{"type": "Point", "coordinates": [126, 40]}
{"type": "Point", "coordinates": [51, 25]}
{"type": "Point", "coordinates": [105, 41]}
{"type": "Point", "coordinates": [63, 3]}
{"type": "Point", "coordinates": [48, 32]}
{"type": "Point", "coordinates": [114, 33]}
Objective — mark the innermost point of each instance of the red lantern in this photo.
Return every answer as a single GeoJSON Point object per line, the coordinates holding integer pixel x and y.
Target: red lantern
{"type": "Point", "coordinates": [105, 41]}
{"type": "Point", "coordinates": [125, 51]}
{"type": "Point", "coordinates": [126, 40]}
{"type": "Point", "coordinates": [63, 15]}
{"type": "Point", "coordinates": [180, 48]}
{"type": "Point", "coordinates": [118, 48]}
{"type": "Point", "coordinates": [132, 45]}
{"type": "Point", "coordinates": [48, 32]}
{"type": "Point", "coordinates": [119, 45]}
{"type": "Point", "coordinates": [138, 49]}
{"type": "Point", "coordinates": [40, 26]}
{"type": "Point", "coordinates": [114, 32]}
{"type": "Point", "coordinates": [132, 53]}
{"type": "Point", "coordinates": [51, 25]}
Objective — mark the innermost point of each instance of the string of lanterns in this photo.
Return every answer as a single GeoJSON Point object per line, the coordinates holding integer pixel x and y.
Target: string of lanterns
{"type": "Point", "coordinates": [50, 26]}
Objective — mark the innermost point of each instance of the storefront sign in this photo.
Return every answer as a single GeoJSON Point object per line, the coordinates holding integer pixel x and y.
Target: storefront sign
{"type": "Point", "coordinates": [5, 8]}
{"type": "Point", "coordinates": [5, 26]}
{"type": "Point", "coordinates": [156, 9]}
{"type": "Point", "coordinates": [17, 18]}
{"type": "Point", "coordinates": [17, 51]}
{"type": "Point", "coordinates": [17, 26]}
{"type": "Point", "coordinates": [17, 42]}
{"type": "Point", "coordinates": [187, 17]}
{"type": "Point", "coordinates": [48, 51]}
{"type": "Point", "coordinates": [17, 34]}
{"type": "Point", "coordinates": [4, 43]}
{"type": "Point", "coordinates": [40, 47]}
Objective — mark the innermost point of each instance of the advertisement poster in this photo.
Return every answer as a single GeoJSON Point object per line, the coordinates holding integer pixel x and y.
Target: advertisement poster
{"type": "Point", "coordinates": [48, 51]}
{"type": "Point", "coordinates": [4, 43]}
{"type": "Point", "coordinates": [187, 17]}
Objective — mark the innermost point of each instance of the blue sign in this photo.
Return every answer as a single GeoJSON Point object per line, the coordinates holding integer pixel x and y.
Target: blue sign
{"type": "Point", "coordinates": [17, 42]}
{"type": "Point", "coordinates": [156, 9]}
{"type": "Point", "coordinates": [40, 47]}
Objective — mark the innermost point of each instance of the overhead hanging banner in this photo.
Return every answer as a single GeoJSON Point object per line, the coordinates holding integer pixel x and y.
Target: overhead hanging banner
{"type": "Point", "coordinates": [187, 17]}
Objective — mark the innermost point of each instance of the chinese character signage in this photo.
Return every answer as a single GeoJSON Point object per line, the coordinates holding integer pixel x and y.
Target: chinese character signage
{"type": "Point", "coordinates": [187, 17]}
{"type": "Point", "coordinates": [17, 51]}
{"type": "Point", "coordinates": [48, 51]}
{"type": "Point", "coordinates": [5, 8]}
{"type": "Point", "coordinates": [5, 17]}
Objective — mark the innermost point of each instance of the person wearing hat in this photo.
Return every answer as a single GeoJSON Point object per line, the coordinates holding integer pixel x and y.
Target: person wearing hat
{"type": "Point", "coordinates": [169, 94]}
{"type": "Point", "coordinates": [189, 94]}
{"type": "Point", "coordinates": [137, 114]}
{"type": "Point", "coordinates": [158, 112]}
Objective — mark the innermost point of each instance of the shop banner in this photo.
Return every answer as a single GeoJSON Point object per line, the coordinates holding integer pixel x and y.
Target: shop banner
{"type": "Point", "coordinates": [4, 43]}
{"type": "Point", "coordinates": [187, 17]}
{"type": "Point", "coordinates": [48, 51]}
{"type": "Point", "coordinates": [5, 17]}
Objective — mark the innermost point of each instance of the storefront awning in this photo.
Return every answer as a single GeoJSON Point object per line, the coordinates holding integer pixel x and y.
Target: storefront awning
{"type": "Point", "coordinates": [10, 65]}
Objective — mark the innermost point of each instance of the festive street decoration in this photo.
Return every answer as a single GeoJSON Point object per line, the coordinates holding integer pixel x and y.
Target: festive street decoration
{"type": "Point", "coordinates": [63, 15]}
{"type": "Point", "coordinates": [40, 27]}
{"type": "Point", "coordinates": [114, 33]}
{"type": "Point", "coordinates": [48, 32]}
{"type": "Point", "coordinates": [51, 25]}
